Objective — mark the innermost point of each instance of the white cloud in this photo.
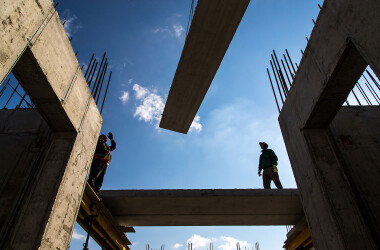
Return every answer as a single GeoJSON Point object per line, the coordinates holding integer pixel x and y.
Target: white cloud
{"type": "Point", "coordinates": [230, 243]}
{"type": "Point", "coordinates": [130, 80]}
{"type": "Point", "coordinates": [199, 242]}
{"type": "Point", "coordinates": [70, 26]}
{"type": "Point", "coordinates": [78, 236]}
{"type": "Point", "coordinates": [151, 107]}
{"type": "Point", "coordinates": [178, 29]}
{"type": "Point", "coordinates": [225, 242]}
{"type": "Point", "coordinates": [124, 97]}
{"type": "Point", "coordinates": [177, 245]}
{"type": "Point", "coordinates": [159, 29]}
{"type": "Point", "coordinates": [140, 92]}
{"type": "Point", "coordinates": [196, 125]}
{"type": "Point", "coordinates": [175, 30]}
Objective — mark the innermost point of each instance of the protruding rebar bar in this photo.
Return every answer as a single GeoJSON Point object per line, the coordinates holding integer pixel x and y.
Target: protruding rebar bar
{"type": "Point", "coordinates": [97, 82]}
{"type": "Point", "coordinates": [279, 77]}
{"type": "Point", "coordinates": [353, 92]}
{"type": "Point", "coordinates": [101, 85]}
{"type": "Point", "coordinates": [291, 63]}
{"type": "Point", "coordinates": [363, 94]}
{"type": "Point", "coordinates": [373, 79]}
{"type": "Point", "coordinates": [371, 90]}
{"type": "Point", "coordinates": [92, 76]}
{"type": "Point", "coordinates": [278, 86]}
{"type": "Point", "coordinates": [3, 88]}
{"type": "Point", "coordinates": [105, 95]}
{"type": "Point", "coordinates": [99, 71]}
{"type": "Point", "coordinates": [287, 64]}
{"type": "Point", "coordinates": [89, 65]}
{"type": "Point", "coordinates": [14, 90]}
{"type": "Point", "coordinates": [280, 71]}
{"type": "Point", "coordinates": [283, 65]}
{"type": "Point", "coordinates": [274, 93]}
{"type": "Point", "coordinates": [22, 99]}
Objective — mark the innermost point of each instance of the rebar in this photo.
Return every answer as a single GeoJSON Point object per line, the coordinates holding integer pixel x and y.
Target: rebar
{"type": "Point", "coordinates": [92, 57]}
{"type": "Point", "coordinates": [92, 76]}
{"type": "Point", "coordinates": [363, 94]}
{"type": "Point", "coordinates": [278, 107]}
{"type": "Point", "coordinates": [101, 85]}
{"type": "Point", "coordinates": [290, 60]}
{"type": "Point", "coordinates": [105, 95]}
{"type": "Point", "coordinates": [97, 75]}
{"type": "Point", "coordinates": [278, 86]}
{"type": "Point", "coordinates": [286, 61]}
{"type": "Point", "coordinates": [280, 72]}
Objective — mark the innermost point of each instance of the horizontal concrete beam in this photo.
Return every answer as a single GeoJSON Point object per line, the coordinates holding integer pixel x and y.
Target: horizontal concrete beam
{"type": "Point", "coordinates": [212, 29]}
{"type": "Point", "coordinates": [203, 207]}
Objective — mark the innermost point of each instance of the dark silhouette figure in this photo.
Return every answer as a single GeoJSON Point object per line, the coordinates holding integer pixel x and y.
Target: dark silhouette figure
{"type": "Point", "coordinates": [268, 163]}
{"type": "Point", "coordinates": [102, 158]}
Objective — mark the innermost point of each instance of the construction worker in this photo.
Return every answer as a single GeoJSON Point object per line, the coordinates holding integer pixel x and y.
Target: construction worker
{"type": "Point", "coordinates": [100, 162]}
{"type": "Point", "coordinates": [268, 163]}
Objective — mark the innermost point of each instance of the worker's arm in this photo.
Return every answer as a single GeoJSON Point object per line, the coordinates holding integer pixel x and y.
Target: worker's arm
{"type": "Point", "coordinates": [274, 158]}
{"type": "Point", "coordinates": [260, 167]}
{"type": "Point", "coordinates": [113, 143]}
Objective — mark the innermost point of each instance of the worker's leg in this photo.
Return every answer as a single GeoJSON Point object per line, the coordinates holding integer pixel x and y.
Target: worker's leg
{"type": "Point", "coordinates": [276, 180]}
{"type": "Point", "coordinates": [266, 179]}
{"type": "Point", "coordinates": [93, 173]}
{"type": "Point", "coordinates": [100, 177]}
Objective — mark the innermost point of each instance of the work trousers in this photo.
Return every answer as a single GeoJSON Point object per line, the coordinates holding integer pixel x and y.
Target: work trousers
{"type": "Point", "coordinates": [97, 172]}
{"type": "Point", "coordinates": [268, 176]}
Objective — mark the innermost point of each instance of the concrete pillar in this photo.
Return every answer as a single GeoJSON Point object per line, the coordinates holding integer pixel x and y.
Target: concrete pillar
{"type": "Point", "coordinates": [40, 196]}
{"type": "Point", "coordinates": [340, 204]}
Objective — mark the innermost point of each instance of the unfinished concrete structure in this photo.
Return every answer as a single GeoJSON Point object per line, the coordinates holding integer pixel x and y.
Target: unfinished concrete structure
{"type": "Point", "coordinates": [334, 151]}
{"type": "Point", "coordinates": [48, 153]}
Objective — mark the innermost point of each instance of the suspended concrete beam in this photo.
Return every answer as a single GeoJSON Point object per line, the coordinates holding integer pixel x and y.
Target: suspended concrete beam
{"type": "Point", "coordinates": [203, 207]}
{"type": "Point", "coordinates": [212, 29]}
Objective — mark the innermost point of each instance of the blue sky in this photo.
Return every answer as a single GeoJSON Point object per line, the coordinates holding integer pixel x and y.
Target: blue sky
{"type": "Point", "coordinates": [144, 40]}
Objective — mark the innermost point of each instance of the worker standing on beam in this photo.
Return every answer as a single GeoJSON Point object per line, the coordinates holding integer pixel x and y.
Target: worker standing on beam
{"type": "Point", "coordinates": [100, 162]}
{"type": "Point", "coordinates": [268, 163]}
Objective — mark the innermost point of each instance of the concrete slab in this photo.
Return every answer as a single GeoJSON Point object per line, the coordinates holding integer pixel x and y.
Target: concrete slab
{"type": "Point", "coordinates": [203, 207]}
{"type": "Point", "coordinates": [212, 29]}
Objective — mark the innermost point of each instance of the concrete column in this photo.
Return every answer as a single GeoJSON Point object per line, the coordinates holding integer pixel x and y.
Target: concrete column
{"type": "Point", "coordinates": [40, 213]}
{"type": "Point", "coordinates": [337, 193]}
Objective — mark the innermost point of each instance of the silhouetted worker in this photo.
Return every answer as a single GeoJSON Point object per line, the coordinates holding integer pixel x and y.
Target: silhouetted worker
{"type": "Point", "coordinates": [268, 163]}
{"type": "Point", "coordinates": [102, 158]}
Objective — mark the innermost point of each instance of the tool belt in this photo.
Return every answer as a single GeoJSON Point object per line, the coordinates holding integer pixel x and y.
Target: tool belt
{"type": "Point", "coordinates": [105, 159]}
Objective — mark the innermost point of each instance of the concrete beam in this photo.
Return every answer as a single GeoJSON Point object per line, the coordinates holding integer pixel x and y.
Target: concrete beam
{"type": "Point", "coordinates": [203, 207]}
{"type": "Point", "coordinates": [212, 29]}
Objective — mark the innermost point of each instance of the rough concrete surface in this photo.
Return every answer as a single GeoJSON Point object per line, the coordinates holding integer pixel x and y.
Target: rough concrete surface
{"type": "Point", "coordinates": [344, 40]}
{"type": "Point", "coordinates": [49, 72]}
{"type": "Point", "coordinates": [212, 29]}
{"type": "Point", "coordinates": [203, 207]}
